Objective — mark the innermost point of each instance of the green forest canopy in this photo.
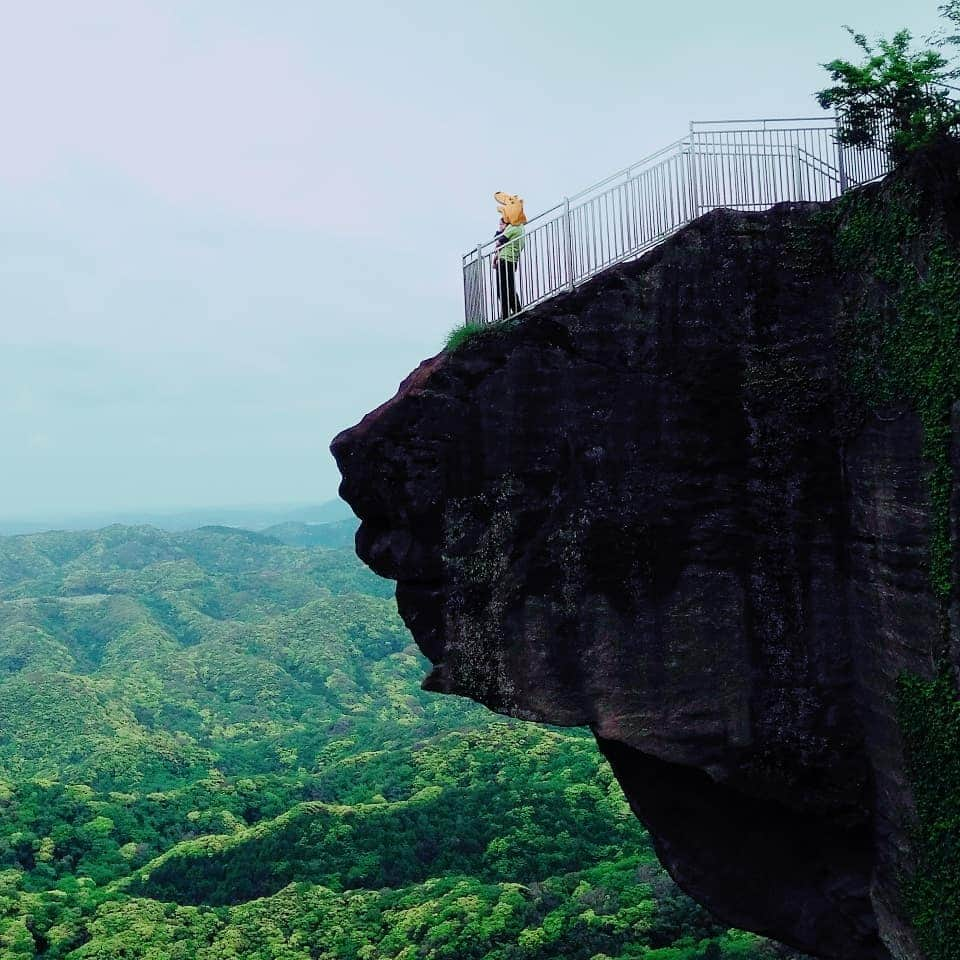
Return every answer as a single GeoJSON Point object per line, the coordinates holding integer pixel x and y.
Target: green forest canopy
{"type": "Point", "coordinates": [214, 744]}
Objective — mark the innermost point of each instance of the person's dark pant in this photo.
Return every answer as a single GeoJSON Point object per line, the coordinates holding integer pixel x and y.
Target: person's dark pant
{"type": "Point", "coordinates": [507, 288]}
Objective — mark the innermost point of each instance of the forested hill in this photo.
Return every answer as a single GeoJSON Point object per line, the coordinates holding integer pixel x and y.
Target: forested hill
{"type": "Point", "coordinates": [213, 744]}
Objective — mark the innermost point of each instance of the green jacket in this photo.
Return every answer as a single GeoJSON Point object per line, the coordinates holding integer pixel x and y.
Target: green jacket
{"type": "Point", "coordinates": [510, 242]}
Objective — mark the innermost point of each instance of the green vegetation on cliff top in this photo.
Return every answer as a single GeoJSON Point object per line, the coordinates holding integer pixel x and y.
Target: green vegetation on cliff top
{"type": "Point", "coordinates": [903, 348]}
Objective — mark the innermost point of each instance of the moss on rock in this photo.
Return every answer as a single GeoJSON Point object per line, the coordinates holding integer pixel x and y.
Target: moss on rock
{"type": "Point", "coordinates": [929, 714]}
{"type": "Point", "coordinates": [903, 346]}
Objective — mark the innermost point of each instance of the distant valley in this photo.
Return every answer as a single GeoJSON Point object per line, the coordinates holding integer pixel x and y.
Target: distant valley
{"type": "Point", "coordinates": [213, 744]}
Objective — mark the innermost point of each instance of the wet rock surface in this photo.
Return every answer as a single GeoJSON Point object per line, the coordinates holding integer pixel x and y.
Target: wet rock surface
{"type": "Point", "coordinates": [654, 507]}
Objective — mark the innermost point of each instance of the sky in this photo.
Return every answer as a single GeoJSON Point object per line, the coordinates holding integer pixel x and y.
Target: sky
{"type": "Point", "coordinates": [229, 229]}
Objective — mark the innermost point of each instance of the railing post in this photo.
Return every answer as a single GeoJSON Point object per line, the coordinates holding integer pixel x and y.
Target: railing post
{"type": "Point", "coordinates": [482, 284]}
{"type": "Point", "coordinates": [692, 173]}
{"type": "Point", "coordinates": [841, 166]}
{"type": "Point", "coordinates": [568, 242]}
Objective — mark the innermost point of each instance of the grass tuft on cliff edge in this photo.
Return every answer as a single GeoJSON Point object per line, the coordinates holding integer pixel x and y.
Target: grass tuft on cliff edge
{"type": "Point", "coordinates": [469, 332]}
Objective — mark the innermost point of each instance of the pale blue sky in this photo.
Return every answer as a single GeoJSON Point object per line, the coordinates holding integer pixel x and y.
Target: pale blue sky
{"type": "Point", "coordinates": [230, 228]}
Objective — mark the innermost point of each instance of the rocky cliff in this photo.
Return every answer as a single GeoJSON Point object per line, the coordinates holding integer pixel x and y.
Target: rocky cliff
{"type": "Point", "coordinates": [704, 504]}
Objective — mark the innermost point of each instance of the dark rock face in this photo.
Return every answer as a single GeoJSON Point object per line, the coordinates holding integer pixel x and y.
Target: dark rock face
{"type": "Point", "coordinates": [653, 507]}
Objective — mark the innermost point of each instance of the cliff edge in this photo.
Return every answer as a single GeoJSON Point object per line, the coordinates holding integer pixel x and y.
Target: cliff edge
{"type": "Point", "coordinates": [705, 504]}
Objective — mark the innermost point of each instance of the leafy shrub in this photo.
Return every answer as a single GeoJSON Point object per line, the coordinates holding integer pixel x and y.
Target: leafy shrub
{"type": "Point", "coordinates": [894, 87]}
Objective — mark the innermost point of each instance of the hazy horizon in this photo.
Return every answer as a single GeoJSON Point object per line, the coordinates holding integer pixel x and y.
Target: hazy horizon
{"type": "Point", "coordinates": [231, 230]}
{"type": "Point", "coordinates": [177, 508]}
{"type": "Point", "coordinates": [251, 516]}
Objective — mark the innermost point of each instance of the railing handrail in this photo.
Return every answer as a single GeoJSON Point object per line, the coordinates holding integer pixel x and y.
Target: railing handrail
{"type": "Point", "coordinates": [633, 166]}
{"type": "Point", "coordinates": [827, 121]}
{"type": "Point", "coordinates": [812, 158]}
{"type": "Point", "coordinates": [744, 164]}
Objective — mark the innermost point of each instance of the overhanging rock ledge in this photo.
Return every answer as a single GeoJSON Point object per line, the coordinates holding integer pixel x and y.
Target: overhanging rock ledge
{"type": "Point", "coordinates": [659, 506]}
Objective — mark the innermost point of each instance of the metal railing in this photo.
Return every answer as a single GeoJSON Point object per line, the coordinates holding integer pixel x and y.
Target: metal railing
{"type": "Point", "coordinates": [744, 165]}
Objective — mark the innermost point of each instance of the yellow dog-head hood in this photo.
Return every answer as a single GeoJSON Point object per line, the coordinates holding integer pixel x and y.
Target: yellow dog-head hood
{"type": "Point", "coordinates": [510, 207]}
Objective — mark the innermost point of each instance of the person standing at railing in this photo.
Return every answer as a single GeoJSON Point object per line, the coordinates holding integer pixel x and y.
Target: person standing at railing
{"type": "Point", "coordinates": [509, 245]}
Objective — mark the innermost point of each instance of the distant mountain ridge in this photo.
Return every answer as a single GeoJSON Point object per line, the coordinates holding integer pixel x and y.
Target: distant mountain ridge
{"type": "Point", "coordinates": [253, 517]}
{"type": "Point", "coordinates": [337, 534]}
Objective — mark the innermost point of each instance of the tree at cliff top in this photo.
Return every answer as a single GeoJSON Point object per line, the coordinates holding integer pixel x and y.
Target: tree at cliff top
{"type": "Point", "coordinates": [894, 89]}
